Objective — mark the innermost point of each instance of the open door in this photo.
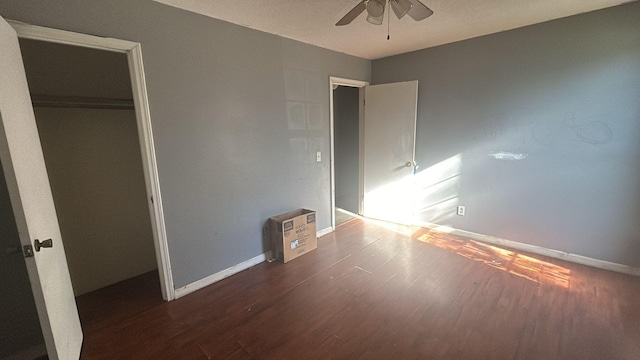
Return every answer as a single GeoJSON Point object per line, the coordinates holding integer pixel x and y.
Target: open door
{"type": "Point", "coordinates": [33, 206]}
{"type": "Point", "coordinates": [389, 148]}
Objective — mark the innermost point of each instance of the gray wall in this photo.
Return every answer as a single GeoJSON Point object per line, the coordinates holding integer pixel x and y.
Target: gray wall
{"type": "Point", "coordinates": [19, 324]}
{"type": "Point", "coordinates": [561, 95]}
{"type": "Point", "coordinates": [237, 118]}
{"type": "Point", "coordinates": [346, 125]}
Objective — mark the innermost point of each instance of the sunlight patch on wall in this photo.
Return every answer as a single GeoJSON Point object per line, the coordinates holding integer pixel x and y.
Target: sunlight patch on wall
{"type": "Point", "coordinates": [393, 201]}
{"type": "Point", "coordinates": [505, 155]}
{"type": "Point", "coordinates": [437, 190]}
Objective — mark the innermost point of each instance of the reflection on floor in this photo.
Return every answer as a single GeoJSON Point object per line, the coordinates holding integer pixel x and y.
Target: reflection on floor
{"type": "Point", "coordinates": [342, 216]}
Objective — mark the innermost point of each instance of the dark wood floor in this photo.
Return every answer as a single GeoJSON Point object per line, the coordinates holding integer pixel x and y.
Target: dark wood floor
{"type": "Point", "coordinates": [370, 292]}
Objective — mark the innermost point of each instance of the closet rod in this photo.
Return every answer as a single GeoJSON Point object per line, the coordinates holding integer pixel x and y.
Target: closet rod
{"type": "Point", "coordinates": [55, 101]}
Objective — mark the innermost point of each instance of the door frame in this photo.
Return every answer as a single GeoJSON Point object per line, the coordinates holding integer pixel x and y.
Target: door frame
{"type": "Point", "coordinates": [334, 82]}
{"type": "Point", "coordinates": [143, 120]}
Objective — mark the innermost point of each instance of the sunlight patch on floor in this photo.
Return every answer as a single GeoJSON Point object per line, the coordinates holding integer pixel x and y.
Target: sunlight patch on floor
{"type": "Point", "coordinates": [532, 269]}
{"type": "Point", "coordinates": [397, 228]}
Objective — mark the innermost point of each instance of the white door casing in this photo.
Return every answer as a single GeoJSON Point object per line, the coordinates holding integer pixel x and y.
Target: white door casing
{"type": "Point", "coordinates": [33, 207]}
{"type": "Point", "coordinates": [389, 151]}
{"type": "Point", "coordinates": [145, 133]}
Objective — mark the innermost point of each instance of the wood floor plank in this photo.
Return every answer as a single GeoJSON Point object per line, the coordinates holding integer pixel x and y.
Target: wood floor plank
{"type": "Point", "coordinates": [378, 291]}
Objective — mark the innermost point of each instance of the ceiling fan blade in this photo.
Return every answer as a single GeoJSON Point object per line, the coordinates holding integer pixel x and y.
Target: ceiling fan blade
{"type": "Point", "coordinates": [354, 13]}
{"type": "Point", "coordinates": [419, 11]}
{"type": "Point", "coordinates": [400, 7]}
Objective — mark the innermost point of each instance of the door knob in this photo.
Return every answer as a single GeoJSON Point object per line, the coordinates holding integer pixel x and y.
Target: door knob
{"type": "Point", "coordinates": [408, 164]}
{"type": "Point", "coordinates": [42, 244]}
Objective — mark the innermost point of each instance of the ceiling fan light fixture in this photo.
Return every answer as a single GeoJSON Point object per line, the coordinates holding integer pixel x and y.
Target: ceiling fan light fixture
{"type": "Point", "coordinates": [375, 8]}
{"type": "Point", "coordinates": [375, 20]}
{"type": "Point", "coordinates": [400, 7]}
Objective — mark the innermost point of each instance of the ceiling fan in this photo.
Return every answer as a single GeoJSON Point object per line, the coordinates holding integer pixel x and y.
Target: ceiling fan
{"type": "Point", "coordinates": [375, 10]}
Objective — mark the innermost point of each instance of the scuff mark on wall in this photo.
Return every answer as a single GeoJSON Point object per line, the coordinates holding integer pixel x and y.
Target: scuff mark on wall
{"type": "Point", "coordinates": [503, 155]}
{"type": "Point", "coordinates": [594, 132]}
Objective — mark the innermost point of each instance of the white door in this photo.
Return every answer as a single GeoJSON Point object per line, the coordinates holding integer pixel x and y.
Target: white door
{"type": "Point", "coordinates": [33, 206]}
{"type": "Point", "coordinates": [389, 148]}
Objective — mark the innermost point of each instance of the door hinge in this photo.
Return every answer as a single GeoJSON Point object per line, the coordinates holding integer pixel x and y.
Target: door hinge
{"type": "Point", "coordinates": [27, 251]}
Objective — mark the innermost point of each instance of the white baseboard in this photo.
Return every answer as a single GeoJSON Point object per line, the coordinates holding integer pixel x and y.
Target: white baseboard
{"type": "Point", "coordinates": [197, 285]}
{"type": "Point", "coordinates": [324, 231]}
{"type": "Point", "coordinates": [556, 254]}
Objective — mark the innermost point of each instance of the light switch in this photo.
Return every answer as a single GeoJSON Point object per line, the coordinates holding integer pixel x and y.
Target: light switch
{"type": "Point", "coordinates": [318, 156]}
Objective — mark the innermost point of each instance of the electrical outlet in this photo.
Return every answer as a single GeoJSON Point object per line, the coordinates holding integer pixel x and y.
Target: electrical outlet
{"type": "Point", "coordinates": [318, 156]}
{"type": "Point", "coordinates": [461, 210]}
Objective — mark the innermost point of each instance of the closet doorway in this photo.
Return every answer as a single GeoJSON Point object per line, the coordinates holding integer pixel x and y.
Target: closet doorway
{"type": "Point", "coordinates": [104, 187]}
{"type": "Point", "coordinates": [29, 189]}
{"type": "Point", "coordinates": [86, 121]}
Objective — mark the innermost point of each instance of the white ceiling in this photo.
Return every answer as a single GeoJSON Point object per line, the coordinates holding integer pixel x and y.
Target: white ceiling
{"type": "Point", "coordinates": [313, 21]}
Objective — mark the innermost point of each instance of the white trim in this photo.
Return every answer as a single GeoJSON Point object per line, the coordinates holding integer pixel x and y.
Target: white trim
{"type": "Point", "coordinates": [152, 179]}
{"type": "Point", "coordinates": [361, 141]}
{"type": "Point", "coordinates": [337, 81]}
{"type": "Point", "coordinates": [556, 254]}
{"type": "Point", "coordinates": [143, 117]}
{"type": "Point", "coordinates": [347, 82]}
{"type": "Point", "coordinates": [211, 279]}
{"type": "Point", "coordinates": [33, 32]}
{"type": "Point", "coordinates": [325, 231]}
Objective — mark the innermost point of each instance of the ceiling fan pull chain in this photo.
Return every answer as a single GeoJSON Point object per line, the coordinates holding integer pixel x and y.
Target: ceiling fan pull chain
{"type": "Point", "coordinates": [388, 22]}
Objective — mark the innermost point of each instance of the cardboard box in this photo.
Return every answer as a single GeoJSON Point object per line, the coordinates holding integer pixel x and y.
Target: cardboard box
{"type": "Point", "coordinates": [293, 234]}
